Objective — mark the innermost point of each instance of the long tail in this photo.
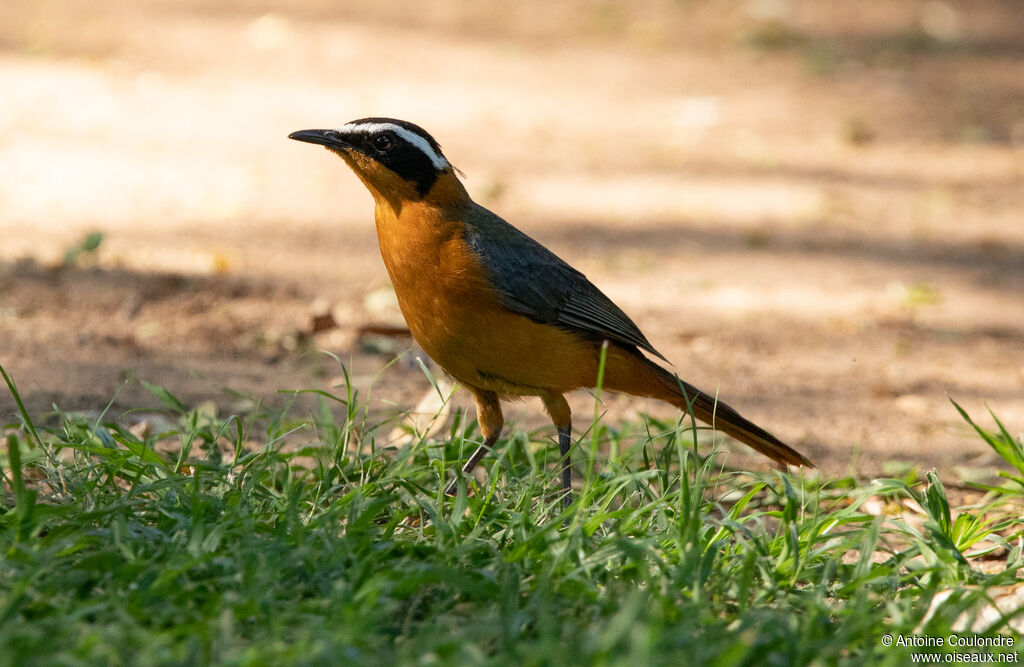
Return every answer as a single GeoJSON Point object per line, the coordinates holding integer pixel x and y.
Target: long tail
{"type": "Point", "coordinates": [641, 377]}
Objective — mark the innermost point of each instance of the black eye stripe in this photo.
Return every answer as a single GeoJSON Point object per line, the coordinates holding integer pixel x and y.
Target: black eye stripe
{"type": "Point", "coordinates": [403, 148]}
{"type": "Point", "coordinates": [417, 136]}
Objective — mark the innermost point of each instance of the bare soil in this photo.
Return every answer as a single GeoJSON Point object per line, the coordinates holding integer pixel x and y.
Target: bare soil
{"type": "Point", "coordinates": [814, 208]}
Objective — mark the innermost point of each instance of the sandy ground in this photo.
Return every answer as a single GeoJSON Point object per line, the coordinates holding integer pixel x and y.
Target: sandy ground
{"type": "Point", "coordinates": [817, 210]}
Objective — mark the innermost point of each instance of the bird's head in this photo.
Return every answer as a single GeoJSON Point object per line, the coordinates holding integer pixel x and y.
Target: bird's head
{"type": "Point", "coordinates": [396, 160]}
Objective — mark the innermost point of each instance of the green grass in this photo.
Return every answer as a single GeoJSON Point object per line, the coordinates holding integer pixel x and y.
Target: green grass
{"type": "Point", "coordinates": [292, 537]}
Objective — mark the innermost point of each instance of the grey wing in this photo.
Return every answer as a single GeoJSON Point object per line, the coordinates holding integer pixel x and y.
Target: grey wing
{"type": "Point", "coordinates": [535, 282]}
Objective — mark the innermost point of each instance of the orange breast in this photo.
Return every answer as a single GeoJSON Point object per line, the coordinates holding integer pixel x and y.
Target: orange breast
{"type": "Point", "coordinates": [456, 315]}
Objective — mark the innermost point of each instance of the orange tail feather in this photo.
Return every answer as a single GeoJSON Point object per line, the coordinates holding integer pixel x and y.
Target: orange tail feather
{"type": "Point", "coordinates": [634, 374]}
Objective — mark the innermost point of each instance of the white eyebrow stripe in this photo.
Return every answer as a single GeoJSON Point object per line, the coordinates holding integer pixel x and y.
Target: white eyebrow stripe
{"type": "Point", "coordinates": [416, 140]}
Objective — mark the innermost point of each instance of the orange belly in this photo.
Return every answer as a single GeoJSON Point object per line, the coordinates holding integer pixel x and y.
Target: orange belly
{"type": "Point", "coordinates": [457, 317]}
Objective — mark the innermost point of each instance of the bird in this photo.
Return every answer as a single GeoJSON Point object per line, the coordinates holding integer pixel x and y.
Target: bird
{"type": "Point", "coordinates": [504, 316]}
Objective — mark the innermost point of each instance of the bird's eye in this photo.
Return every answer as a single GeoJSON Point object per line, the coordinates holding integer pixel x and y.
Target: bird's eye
{"type": "Point", "coordinates": [382, 143]}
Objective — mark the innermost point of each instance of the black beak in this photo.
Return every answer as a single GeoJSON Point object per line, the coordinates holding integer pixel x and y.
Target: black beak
{"type": "Point", "coordinates": [328, 138]}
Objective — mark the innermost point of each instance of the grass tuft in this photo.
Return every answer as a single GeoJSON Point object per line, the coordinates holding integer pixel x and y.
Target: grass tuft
{"type": "Point", "coordinates": [281, 538]}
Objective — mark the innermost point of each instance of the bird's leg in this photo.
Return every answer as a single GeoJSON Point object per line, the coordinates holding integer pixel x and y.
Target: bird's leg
{"type": "Point", "coordinates": [471, 463]}
{"type": "Point", "coordinates": [564, 442]}
{"type": "Point", "coordinates": [488, 415]}
{"type": "Point", "coordinates": [558, 408]}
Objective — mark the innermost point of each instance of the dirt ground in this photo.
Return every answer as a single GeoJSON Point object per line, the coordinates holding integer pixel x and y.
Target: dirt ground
{"type": "Point", "coordinates": [814, 207]}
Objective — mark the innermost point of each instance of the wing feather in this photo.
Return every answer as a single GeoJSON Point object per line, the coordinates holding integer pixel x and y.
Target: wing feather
{"type": "Point", "coordinates": [534, 282]}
